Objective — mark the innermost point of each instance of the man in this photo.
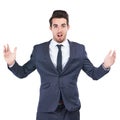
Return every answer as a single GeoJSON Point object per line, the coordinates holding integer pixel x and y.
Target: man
{"type": "Point", "coordinates": [59, 62]}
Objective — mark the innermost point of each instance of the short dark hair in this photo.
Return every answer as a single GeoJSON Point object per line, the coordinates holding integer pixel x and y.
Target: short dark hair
{"type": "Point", "coordinates": [59, 14]}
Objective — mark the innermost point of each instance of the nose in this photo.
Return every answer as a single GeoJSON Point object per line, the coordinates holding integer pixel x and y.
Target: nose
{"type": "Point", "coordinates": [59, 29]}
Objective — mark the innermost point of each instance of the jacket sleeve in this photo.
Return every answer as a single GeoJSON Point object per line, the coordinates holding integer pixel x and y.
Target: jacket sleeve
{"type": "Point", "coordinates": [94, 72]}
{"type": "Point", "coordinates": [27, 68]}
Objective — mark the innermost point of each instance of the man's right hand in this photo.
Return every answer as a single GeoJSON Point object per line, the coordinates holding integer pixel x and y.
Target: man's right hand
{"type": "Point", "coordinates": [9, 56]}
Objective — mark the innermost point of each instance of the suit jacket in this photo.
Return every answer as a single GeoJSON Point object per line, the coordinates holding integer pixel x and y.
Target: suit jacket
{"type": "Point", "coordinates": [52, 83]}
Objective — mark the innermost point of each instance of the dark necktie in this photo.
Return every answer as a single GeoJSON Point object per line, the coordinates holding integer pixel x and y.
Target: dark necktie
{"type": "Point", "coordinates": [59, 67]}
{"type": "Point", "coordinates": [59, 59]}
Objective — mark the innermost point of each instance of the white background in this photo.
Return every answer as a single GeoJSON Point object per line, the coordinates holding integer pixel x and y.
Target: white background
{"type": "Point", "coordinates": [94, 23]}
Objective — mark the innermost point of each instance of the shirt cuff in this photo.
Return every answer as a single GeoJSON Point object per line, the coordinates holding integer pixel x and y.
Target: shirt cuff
{"type": "Point", "coordinates": [106, 69]}
{"type": "Point", "coordinates": [11, 65]}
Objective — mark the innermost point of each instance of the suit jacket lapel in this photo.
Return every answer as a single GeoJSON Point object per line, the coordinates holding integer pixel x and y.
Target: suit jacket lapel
{"type": "Point", "coordinates": [47, 56]}
{"type": "Point", "coordinates": [70, 58]}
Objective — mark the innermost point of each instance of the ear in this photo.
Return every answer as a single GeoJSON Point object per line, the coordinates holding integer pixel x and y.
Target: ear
{"type": "Point", "coordinates": [50, 28]}
{"type": "Point", "coordinates": [68, 27]}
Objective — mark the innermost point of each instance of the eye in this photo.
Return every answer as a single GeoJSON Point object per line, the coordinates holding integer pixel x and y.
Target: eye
{"type": "Point", "coordinates": [55, 25]}
{"type": "Point", "coordinates": [63, 25]}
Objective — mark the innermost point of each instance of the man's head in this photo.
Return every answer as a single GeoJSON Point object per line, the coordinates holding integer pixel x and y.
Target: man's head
{"type": "Point", "coordinates": [59, 14]}
{"type": "Point", "coordinates": [59, 25]}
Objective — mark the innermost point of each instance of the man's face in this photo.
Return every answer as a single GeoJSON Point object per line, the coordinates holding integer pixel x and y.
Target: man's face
{"type": "Point", "coordinates": [59, 29]}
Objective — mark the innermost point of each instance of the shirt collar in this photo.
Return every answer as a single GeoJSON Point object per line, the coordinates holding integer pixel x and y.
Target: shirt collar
{"type": "Point", "coordinates": [64, 43]}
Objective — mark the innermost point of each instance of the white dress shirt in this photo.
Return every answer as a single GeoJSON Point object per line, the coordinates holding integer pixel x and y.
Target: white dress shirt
{"type": "Point", "coordinates": [53, 49]}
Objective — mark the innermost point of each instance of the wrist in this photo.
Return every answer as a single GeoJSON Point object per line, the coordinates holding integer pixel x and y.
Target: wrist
{"type": "Point", "coordinates": [11, 64]}
{"type": "Point", "coordinates": [105, 67]}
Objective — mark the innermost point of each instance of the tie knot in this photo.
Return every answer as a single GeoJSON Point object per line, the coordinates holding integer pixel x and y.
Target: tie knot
{"type": "Point", "coordinates": [59, 46]}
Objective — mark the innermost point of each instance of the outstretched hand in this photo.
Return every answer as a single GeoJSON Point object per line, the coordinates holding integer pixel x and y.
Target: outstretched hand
{"type": "Point", "coordinates": [8, 55]}
{"type": "Point", "coordinates": [109, 59]}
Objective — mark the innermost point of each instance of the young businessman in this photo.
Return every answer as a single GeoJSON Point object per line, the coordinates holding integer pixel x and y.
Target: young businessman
{"type": "Point", "coordinates": [59, 62]}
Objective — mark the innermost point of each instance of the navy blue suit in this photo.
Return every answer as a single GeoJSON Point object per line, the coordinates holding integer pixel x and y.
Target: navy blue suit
{"type": "Point", "coordinates": [52, 83]}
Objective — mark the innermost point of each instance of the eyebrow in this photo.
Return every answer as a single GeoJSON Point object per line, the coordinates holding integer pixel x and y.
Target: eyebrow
{"type": "Point", "coordinates": [61, 24]}
{"type": "Point", "coordinates": [64, 24]}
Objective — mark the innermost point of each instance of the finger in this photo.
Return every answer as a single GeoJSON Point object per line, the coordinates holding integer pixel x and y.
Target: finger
{"type": "Point", "coordinates": [110, 52]}
{"type": "Point", "coordinates": [8, 48]}
{"type": "Point", "coordinates": [4, 49]}
{"type": "Point", "coordinates": [15, 49]}
{"type": "Point", "coordinates": [114, 53]}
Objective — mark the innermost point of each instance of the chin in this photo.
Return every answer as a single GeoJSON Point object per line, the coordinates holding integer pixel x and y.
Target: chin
{"type": "Point", "coordinates": [60, 40]}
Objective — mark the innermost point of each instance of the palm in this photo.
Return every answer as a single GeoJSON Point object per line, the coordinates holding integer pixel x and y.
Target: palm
{"type": "Point", "coordinates": [110, 59]}
{"type": "Point", "coordinates": [8, 55]}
